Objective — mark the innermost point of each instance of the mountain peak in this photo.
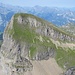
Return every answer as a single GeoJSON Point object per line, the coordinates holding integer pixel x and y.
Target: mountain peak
{"type": "Point", "coordinates": [31, 21]}
{"type": "Point", "coordinates": [30, 40]}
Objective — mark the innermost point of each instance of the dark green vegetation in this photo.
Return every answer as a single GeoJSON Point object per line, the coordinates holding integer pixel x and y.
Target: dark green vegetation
{"type": "Point", "coordinates": [25, 33]}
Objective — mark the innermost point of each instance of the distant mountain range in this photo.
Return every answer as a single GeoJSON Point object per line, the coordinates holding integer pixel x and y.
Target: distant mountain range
{"type": "Point", "coordinates": [58, 16]}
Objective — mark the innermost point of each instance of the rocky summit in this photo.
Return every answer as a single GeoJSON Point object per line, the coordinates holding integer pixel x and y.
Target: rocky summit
{"type": "Point", "coordinates": [31, 45]}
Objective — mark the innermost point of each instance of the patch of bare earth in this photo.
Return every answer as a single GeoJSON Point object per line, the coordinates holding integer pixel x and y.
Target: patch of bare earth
{"type": "Point", "coordinates": [45, 67]}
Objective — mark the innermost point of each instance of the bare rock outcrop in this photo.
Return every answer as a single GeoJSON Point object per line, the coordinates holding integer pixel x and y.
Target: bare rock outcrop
{"type": "Point", "coordinates": [70, 71]}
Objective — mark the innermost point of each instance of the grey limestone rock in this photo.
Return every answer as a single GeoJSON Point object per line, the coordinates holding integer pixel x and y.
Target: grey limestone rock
{"type": "Point", "coordinates": [70, 71]}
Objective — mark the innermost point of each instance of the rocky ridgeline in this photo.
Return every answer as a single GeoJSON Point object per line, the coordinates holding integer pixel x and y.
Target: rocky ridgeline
{"type": "Point", "coordinates": [18, 52]}
{"type": "Point", "coordinates": [46, 29]}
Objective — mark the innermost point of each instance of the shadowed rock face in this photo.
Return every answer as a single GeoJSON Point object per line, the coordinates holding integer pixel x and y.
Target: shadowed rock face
{"type": "Point", "coordinates": [70, 71]}
{"type": "Point", "coordinates": [44, 55]}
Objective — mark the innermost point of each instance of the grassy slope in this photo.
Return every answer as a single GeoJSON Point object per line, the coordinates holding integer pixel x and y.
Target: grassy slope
{"type": "Point", "coordinates": [65, 57]}
{"type": "Point", "coordinates": [25, 34]}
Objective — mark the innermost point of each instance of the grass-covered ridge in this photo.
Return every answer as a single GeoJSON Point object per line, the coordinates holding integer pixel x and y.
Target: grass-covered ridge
{"type": "Point", "coordinates": [25, 15]}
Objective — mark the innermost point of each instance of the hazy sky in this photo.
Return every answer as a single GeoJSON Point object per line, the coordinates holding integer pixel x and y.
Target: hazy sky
{"type": "Point", "coordinates": [50, 3]}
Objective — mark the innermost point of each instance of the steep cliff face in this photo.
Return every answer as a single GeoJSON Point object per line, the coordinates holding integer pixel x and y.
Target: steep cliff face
{"type": "Point", "coordinates": [28, 38]}
{"type": "Point", "coordinates": [14, 54]}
